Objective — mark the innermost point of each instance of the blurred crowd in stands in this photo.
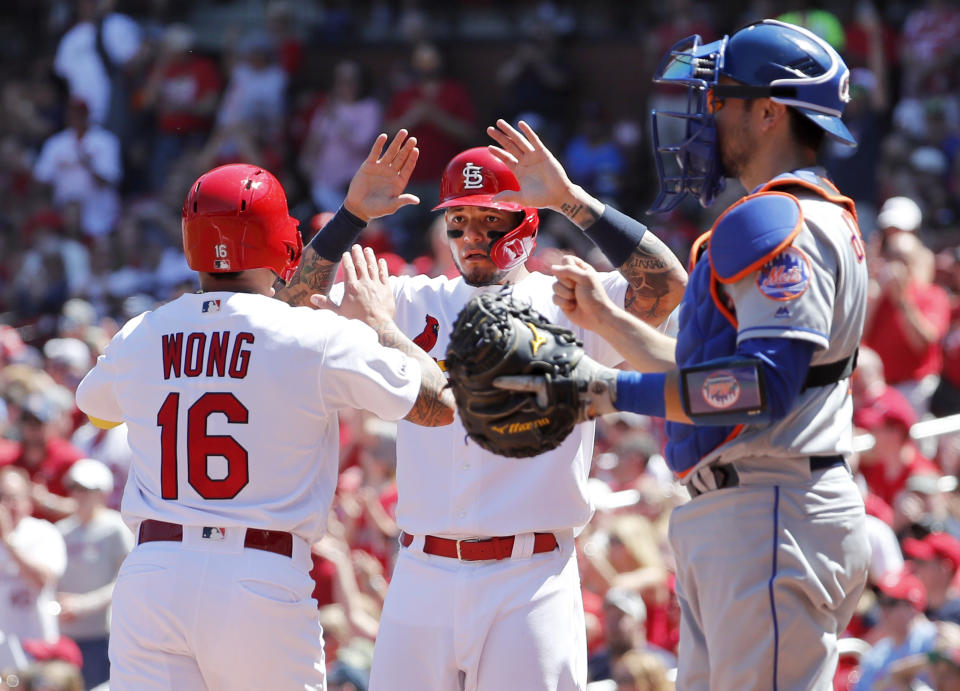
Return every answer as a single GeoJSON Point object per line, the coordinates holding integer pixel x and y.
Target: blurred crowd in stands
{"type": "Point", "coordinates": [110, 108]}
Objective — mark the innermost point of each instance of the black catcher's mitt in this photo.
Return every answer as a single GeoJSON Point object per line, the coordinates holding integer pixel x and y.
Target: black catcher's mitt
{"type": "Point", "coordinates": [495, 336]}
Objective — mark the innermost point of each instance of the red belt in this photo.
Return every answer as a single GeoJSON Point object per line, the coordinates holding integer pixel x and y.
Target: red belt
{"type": "Point", "coordinates": [267, 540]}
{"type": "Point", "coordinates": [476, 549]}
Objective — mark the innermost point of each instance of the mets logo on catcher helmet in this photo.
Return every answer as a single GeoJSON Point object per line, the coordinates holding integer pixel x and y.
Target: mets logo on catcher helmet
{"type": "Point", "coordinates": [786, 276]}
{"type": "Point", "coordinates": [720, 389]}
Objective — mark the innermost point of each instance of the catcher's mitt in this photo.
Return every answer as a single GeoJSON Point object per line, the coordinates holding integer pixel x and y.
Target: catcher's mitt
{"type": "Point", "coordinates": [512, 374]}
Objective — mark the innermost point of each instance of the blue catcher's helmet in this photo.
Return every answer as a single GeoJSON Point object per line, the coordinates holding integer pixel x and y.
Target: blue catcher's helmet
{"type": "Point", "coordinates": [767, 59]}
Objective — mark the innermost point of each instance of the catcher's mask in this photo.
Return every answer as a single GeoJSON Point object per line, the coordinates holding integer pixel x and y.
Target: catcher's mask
{"type": "Point", "coordinates": [767, 59]}
{"type": "Point", "coordinates": [472, 178]}
{"type": "Point", "coordinates": [235, 218]}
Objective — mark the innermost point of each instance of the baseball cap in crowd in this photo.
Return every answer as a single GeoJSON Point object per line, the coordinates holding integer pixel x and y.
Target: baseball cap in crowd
{"type": "Point", "coordinates": [929, 160]}
{"type": "Point", "coordinates": [63, 648]}
{"type": "Point", "coordinates": [931, 483]}
{"type": "Point", "coordinates": [903, 585]}
{"type": "Point", "coordinates": [934, 546]}
{"type": "Point", "coordinates": [889, 407]}
{"type": "Point", "coordinates": [627, 601]}
{"type": "Point", "coordinates": [901, 213]}
{"type": "Point", "coordinates": [90, 473]}
{"type": "Point", "coordinates": [38, 407]}
{"type": "Point", "coordinates": [70, 352]}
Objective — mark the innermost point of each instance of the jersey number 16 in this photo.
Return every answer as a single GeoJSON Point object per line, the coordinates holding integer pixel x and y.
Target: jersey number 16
{"type": "Point", "coordinates": [201, 446]}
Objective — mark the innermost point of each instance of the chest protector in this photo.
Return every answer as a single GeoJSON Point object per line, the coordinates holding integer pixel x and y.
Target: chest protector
{"type": "Point", "coordinates": [743, 239]}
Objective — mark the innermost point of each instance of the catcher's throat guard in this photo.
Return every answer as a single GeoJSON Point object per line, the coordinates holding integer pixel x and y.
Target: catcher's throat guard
{"type": "Point", "coordinates": [725, 391]}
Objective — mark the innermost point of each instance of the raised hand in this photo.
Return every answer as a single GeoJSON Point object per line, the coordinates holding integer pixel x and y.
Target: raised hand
{"type": "Point", "coordinates": [579, 293]}
{"type": "Point", "coordinates": [366, 289]}
{"type": "Point", "coordinates": [543, 181]}
{"type": "Point", "coordinates": [376, 189]}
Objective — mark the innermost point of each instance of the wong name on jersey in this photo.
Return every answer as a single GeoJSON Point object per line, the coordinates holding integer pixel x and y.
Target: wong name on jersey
{"type": "Point", "coordinates": [217, 354]}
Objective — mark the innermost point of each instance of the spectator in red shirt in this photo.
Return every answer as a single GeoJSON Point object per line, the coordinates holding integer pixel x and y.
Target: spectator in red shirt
{"type": "Point", "coordinates": [45, 456]}
{"type": "Point", "coordinates": [182, 90]}
{"type": "Point", "coordinates": [907, 318]}
{"type": "Point", "coordinates": [894, 457]}
{"type": "Point", "coordinates": [936, 559]}
{"type": "Point", "coordinates": [946, 399]}
{"type": "Point", "coordinates": [440, 113]}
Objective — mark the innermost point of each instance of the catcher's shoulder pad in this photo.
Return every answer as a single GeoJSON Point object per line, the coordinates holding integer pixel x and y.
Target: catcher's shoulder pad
{"type": "Point", "coordinates": [751, 232]}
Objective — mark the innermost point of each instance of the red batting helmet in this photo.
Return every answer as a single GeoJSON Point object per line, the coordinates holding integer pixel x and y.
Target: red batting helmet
{"type": "Point", "coordinates": [235, 218]}
{"type": "Point", "coordinates": [472, 178]}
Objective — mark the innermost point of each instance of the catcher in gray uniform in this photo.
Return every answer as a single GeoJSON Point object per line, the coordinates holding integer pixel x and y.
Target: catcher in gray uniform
{"type": "Point", "coordinates": [771, 551]}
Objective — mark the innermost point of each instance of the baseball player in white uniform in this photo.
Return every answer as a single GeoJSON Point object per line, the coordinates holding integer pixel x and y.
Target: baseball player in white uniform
{"type": "Point", "coordinates": [231, 401]}
{"type": "Point", "coordinates": [772, 550]}
{"type": "Point", "coordinates": [485, 594]}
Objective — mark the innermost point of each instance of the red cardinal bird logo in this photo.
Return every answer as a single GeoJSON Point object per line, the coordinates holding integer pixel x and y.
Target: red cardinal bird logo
{"type": "Point", "coordinates": [428, 337]}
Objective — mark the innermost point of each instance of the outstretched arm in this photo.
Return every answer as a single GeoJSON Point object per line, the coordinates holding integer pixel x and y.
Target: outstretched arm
{"type": "Point", "coordinates": [375, 190]}
{"type": "Point", "coordinates": [656, 279]}
{"type": "Point", "coordinates": [367, 296]}
{"type": "Point", "coordinates": [579, 293]}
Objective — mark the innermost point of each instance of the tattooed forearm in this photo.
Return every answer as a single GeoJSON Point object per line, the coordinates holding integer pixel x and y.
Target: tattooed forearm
{"type": "Point", "coordinates": [314, 275]}
{"type": "Point", "coordinates": [656, 280]}
{"type": "Point", "coordinates": [434, 405]}
{"type": "Point", "coordinates": [580, 214]}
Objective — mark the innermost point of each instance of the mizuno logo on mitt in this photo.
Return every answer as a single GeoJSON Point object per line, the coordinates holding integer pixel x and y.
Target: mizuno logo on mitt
{"type": "Point", "coordinates": [519, 427]}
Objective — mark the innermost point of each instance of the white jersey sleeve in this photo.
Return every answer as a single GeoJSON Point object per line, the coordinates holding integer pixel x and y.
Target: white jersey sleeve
{"type": "Point", "coordinates": [358, 372]}
{"type": "Point", "coordinates": [97, 395]}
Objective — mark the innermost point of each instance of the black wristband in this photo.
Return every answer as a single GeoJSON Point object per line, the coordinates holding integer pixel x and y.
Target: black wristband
{"type": "Point", "coordinates": [616, 234]}
{"type": "Point", "coordinates": [338, 235]}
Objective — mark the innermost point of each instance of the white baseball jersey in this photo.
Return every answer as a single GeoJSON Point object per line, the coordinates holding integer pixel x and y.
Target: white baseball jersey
{"type": "Point", "coordinates": [828, 311]}
{"type": "Point", "coordinates": [449, 486]}
{"type": "Point", "coordinates": [231, 403]}
{"type": "Point", "coordinates": [27, 611]}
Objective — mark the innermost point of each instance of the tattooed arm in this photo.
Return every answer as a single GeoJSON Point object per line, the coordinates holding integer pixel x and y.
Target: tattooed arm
{"type": "Point", "coordinates": [367, 296]}
{"type": "Point", "coordinates": [314, 275]}
{"type": "Point", "coordinates": [656, 279]}
{"type": "Point", "coordinates": [434, 405]}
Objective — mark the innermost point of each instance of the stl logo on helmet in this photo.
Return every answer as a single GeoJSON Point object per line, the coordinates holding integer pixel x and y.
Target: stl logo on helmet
{"type": "Point", "coordinates": [472, 177]}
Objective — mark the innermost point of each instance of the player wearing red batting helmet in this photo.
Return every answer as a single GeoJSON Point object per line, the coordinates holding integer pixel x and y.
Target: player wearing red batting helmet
{"type": "Point", "coordinates": [235, 218]}
{"type": "Point", "coordinates": [229, 486]}
{"type": "Point", "coordinates": [473, 523]}
{"type": "Point", "coordinates": [474, 178]}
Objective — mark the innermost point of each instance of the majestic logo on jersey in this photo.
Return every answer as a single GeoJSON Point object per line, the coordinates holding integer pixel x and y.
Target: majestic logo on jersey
{"type": "Point", "coordinates": [720, 389]}
{"type": "Point", "coordinates": [427, 338]}
{"type": "Point", "coordinates": [786, 276]}
{"type": "Point", "coordinates": [472, 177]}
{"type": "Point", "coordinates": [210, 306]}
{"type": "Point", "coordinates": [537, 340]}
{"type": "Point", "coordinates": [782, 313]}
